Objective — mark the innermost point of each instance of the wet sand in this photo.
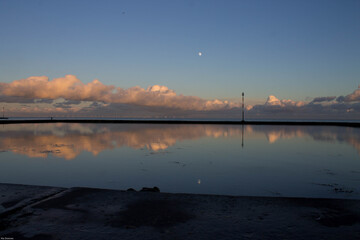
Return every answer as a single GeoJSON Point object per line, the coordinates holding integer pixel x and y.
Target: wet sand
{"type": "Point", "coordinates": [33, 212]}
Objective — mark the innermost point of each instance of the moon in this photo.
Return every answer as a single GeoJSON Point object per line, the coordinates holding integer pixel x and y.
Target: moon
{"type": "Point", "coordinates": [200, 54]}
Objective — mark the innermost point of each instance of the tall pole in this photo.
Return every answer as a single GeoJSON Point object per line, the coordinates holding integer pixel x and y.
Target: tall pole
{"type": "Point", "coordinates": [243, 107]}
{"type": "Point", "coordinates": [242, 126]}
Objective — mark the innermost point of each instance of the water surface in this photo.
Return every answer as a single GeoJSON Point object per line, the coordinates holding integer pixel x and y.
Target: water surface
{"type": "Point", "coordinates": [303, 161]}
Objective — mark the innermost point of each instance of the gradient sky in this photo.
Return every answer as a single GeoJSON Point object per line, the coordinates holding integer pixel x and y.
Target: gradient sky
{"type": "Point", "coordinates": [296, 50]}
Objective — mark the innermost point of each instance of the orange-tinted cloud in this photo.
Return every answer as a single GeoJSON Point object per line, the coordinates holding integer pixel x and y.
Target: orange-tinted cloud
{"type": "Point", "coordinates": [71, 88]}
{"type": "Point", "coordinates": [273, 101]}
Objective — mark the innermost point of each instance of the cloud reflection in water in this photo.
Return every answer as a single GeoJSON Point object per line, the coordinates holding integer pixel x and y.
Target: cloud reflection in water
{"type": "Point", "coordinates": [67, 141]}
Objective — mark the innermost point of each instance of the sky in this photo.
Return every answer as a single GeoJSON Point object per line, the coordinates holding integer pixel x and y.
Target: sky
{"type": "Point", "coordinates": [177, 58]}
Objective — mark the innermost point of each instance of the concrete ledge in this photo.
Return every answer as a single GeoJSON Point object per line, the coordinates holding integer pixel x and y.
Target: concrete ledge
{"type": "Point", "coordinates": [85, 213]}
{"type": "Point", "coordinates": [15, 196]}
{"type": "Point", "coordinates": [166, 121]}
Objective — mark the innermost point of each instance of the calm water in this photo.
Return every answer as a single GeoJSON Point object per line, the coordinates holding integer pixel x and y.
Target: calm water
{"type": "Point", "coordinates": [302, 161]}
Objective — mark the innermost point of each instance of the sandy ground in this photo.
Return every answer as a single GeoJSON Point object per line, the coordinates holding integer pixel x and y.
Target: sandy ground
{"type": "Point", "coordinates": [32, 212]}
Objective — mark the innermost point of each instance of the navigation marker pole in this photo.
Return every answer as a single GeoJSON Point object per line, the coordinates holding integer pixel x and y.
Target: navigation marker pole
{"type": "Point", "coordinates": [243, 121]}
{"type": "Point", "coordinates": [243, 107]}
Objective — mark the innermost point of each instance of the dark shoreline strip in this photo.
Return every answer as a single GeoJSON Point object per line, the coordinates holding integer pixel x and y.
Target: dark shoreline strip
{"type": "Point", "coordinates": [150, 121]}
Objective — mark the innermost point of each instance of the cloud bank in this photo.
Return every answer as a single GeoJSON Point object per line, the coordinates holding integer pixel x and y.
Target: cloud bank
{"type": "Point", "coordinates": [71, 88]}
{"type": "Point", "coordinates": [330, 107]}
{"type": "Point", "coordinates": [68, 96]}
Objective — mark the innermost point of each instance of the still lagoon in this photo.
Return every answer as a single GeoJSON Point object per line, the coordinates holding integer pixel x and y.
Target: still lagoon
{"type": "Point", "coordinates": [249, 160]}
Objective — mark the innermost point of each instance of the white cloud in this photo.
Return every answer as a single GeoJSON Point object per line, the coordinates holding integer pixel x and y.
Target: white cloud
{"type": "Point", "coordinates": [274, 101]}
{"type": "Point", "coordinates": [71, 88]}
{"type": "Point", "coordinates": [353, 97]}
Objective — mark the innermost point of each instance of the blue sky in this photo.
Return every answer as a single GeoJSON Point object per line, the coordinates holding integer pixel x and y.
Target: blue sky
{"type": "Point", "coordinates": [295, 50]}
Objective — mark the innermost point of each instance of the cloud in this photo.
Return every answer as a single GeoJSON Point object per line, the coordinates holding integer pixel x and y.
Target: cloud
{"type": "Point", "coordinates": [14, 99]}
{"type": "Point", "coordinates": [71, 88]}
{"type": "Point", "coordinates": [340, 99]}
{"type": "Point", "coordinates": [326, 106]}
{"type": "Point", "coordinates": [71, 102]}
{"type": "Point", "coordinates": [273, 101]}
{"type": "Point", "coordinates": [68, 96]}
{"type": "Point", "coordinates": [323, 99]}
{"type": "Point", "coordinates": [331, 107]}
{"type": "Point", "coordinates": [355, 96]}
{"type": "Point", "coordinates": [66, 104]}
{"type": "Point", "coordinates": [274, 105]}
{"type": "Point", "coordinates": [48, 101]}
{"type": "Point", "coordinates": [96, 104]}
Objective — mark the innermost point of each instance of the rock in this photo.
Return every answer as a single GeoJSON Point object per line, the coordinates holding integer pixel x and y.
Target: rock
{"type": "Point", "coordinates": [146, 189]}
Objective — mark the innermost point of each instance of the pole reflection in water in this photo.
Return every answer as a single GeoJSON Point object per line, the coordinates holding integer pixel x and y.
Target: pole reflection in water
{"type": "Point", "coordinates": [242, 135]}
{"type": "Point", "coordinates": [310, 161]}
